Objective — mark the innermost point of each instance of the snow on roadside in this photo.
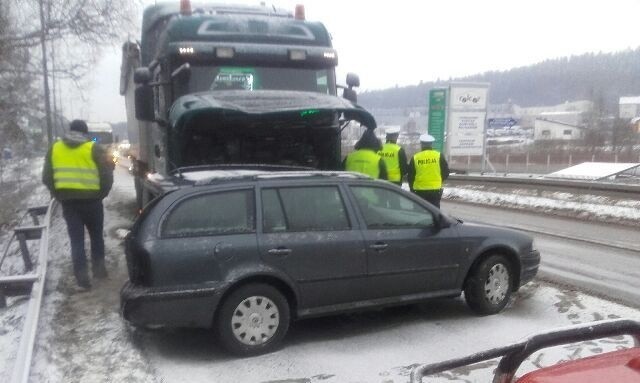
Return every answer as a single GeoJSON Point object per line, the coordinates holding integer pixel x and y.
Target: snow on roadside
{"type": "Point", "coordinates": [583, 206]}
{"type": "Point", "coordinates": [82, 337]}
{"type": "Point", "coordinates": [20, 188]}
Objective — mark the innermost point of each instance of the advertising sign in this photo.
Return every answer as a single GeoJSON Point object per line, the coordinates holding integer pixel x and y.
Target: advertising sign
{"type": "Point", "coordinates": [437, 116]}
{"type": "Point", "coordinates": [468, 97]}
{"type": "Point", "coordinates": [466, 119]}
{"type": "Point", "coordinates": [466, 132]}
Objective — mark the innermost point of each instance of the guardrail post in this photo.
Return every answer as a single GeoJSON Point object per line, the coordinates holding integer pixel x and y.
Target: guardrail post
{"type": "Point", "coordinates": [593, 158]}
{"type": "Point", "coordinates": [616, 158]}
{"type": "Point", "coordinates": [548, 161]}
{"type": "Point", "coordinates": [570, 159]}
{"type": "Point", "coordinates": [23, 234]}
{"type": "Point", "coordinates": [526, 166]}
{"type": "Point", "coordinates": [34, 212]}
{"type": "Point", "coordinates": [506, 164]}
{"type": "Point", "coordinates": [24, 250]}
{"type": "Point", "coordinates": [468, 163]}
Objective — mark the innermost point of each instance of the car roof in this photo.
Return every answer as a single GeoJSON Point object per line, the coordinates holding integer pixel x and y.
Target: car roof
{"type": "Point", "coordinates": [216, 176]}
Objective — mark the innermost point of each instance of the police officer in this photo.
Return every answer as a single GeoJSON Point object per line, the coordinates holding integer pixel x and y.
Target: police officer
{"type": "Point", "coordinates": [365, 159]}
{"type": "Point", "coordinates": [78, 173]}
{"type": "Point", "coordinates": [427, 170]}
{"type": "Point", "coordinates": [394, 157]}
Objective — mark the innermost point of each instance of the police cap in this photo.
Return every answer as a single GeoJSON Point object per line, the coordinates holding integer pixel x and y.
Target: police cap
{"type": "Point", "coordinates": [427, 138]}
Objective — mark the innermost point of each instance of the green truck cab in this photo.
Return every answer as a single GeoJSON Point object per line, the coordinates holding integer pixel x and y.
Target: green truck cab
{"type": "Point", "coordinates": [232, 85]}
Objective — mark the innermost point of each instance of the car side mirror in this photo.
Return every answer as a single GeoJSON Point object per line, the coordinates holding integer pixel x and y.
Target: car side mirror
{"type": "Point", "coordinates": [142, 75]}
{"type": "Point", "coordinates": [442, 222]}
{"type": "Point", "coordinates": [144, 103]}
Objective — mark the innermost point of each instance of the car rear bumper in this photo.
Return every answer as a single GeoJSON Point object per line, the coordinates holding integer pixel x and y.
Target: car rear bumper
{"type": "Point", "coordinates": [530, 264]}
{"type": "Point", "coordinates": [179, 306]}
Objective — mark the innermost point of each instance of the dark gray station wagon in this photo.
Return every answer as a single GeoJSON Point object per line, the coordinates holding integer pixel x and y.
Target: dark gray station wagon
{"type": "Point", "coordinates": [246, 252]}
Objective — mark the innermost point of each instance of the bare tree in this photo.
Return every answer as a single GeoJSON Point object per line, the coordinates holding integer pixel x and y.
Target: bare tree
{"type": "Point", "coordinates": [81, 28]}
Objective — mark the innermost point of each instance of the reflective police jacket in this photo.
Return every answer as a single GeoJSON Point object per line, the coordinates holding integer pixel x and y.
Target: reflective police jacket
{"type": "Point", "coordinates": [76, 168]}
{"type": "Point", "coordinates": [366, 161]}
{"type": "Point", "coordinates": [395, 161]}
{"type": "Point", "coordinates": [427, 170]}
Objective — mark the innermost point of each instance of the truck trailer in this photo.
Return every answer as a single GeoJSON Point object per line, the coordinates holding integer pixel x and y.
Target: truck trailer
{"type": "Point", "coordinates": [215, 85]}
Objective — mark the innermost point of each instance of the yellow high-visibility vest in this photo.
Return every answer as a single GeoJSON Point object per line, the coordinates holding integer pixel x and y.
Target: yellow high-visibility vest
{"type": "Point", "coordinates": [389, 154]}
{"type": "Point", "coordinates": [428, 176]}
{"type": "Point", "coordinates": [364, 161]}
{"type": "Point", "coordinates": [74, 167]}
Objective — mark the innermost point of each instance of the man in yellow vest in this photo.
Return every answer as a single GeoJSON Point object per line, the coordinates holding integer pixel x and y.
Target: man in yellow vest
{"type": "Point", "coordinates": [79, 175]}
{"type": "Point", "coordinates": [427, 169]}
{"type": "Point", "coordinates": [365, 159]}
{"type": "Point", "coordinates": [394, 157]}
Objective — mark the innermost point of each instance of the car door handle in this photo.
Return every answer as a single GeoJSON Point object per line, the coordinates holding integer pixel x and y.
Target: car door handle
{"type": "Point", "coordinates": [280, 251]}
{"type": "Point", "coordinates": [379, 246]}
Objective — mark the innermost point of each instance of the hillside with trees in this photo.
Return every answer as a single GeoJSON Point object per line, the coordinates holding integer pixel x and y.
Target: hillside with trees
{"type": "Point", "coordinates": [604, 76]}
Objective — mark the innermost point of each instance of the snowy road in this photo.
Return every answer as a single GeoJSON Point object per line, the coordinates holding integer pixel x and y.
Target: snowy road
{"type": "Point", "coordinates": [83, 339]}
{"type": "Point", "coordinates": [609, 271]}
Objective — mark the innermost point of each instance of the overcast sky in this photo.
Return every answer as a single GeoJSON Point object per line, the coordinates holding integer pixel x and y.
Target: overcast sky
{"type": "Point", "coordinates": [402, 42]}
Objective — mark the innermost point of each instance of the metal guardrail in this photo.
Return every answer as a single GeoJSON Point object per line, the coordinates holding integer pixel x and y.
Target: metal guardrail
{"type": "Point", "coordinates": [31, 284]}
{"type": "Point", "coordinates": [559, 183]}
{"type": "Point", "coordinates": [513, 355]}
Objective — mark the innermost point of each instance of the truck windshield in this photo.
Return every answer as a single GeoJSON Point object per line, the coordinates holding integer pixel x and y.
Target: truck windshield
{"type": "Point", "coordinates": [208, 78]}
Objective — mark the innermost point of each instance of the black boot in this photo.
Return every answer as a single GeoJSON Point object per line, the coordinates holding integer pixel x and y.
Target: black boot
{"type": "Point", "coordinates": [82, 278]}
{"type": "Point", "coordinates": [98, 269]}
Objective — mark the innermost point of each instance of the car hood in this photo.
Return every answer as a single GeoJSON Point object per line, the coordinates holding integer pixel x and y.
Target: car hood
{"type": "Point", "coordinates": [295, 108]}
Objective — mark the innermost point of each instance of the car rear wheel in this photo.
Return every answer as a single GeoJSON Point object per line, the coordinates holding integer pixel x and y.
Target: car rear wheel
{"type": "Point", "coordinates": [253, 320]}
{"type": "Point", "coordinates": [489, 285]}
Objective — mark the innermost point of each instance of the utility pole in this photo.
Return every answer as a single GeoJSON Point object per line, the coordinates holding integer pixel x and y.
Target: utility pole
{"type": "Point", "coordinates": [43, 43]}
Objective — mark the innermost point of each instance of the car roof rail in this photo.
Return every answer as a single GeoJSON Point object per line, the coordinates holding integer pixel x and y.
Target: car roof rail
{"type": "Point", "coordinates": [212, 176]}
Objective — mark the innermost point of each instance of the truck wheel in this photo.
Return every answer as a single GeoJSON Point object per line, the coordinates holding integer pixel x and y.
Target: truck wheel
{"type": "Point", "coordinates": [253, 320]}
{"type": "Point", "coordinates": [489, 285]}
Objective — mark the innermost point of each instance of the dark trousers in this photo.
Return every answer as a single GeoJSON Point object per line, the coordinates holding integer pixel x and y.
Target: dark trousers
{"type": "Point", "coordinates": [431, 196]}
{"type": "Point", "coordinates": [80, 214]}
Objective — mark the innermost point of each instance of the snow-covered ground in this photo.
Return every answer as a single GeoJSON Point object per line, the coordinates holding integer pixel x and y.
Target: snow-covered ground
{"type": "Point", "coordinates": [82, 338]}
{"type": "Point", "coordinates": [581, 206]}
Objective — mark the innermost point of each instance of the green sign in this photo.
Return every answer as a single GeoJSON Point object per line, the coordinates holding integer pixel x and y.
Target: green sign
{"type": "Point", "coordinates": [437, 116]}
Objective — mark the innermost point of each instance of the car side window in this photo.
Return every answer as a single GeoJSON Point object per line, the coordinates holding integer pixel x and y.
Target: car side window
{"type": "Point", "coordinates": [231, 212]}
{"type": "Point", "coordinates": [295, 209]}
{"type": "Point", "coordinates": [383, 208]}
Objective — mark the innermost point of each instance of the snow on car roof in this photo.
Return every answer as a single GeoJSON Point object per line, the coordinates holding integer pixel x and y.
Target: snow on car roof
{"type": "Point", "coordinates": [202, 177]}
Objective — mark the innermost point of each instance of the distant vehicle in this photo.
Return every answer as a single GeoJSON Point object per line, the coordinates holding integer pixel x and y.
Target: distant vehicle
{"type": "Point", "coordinates": [101, 133]}
{"type": "Point", "coordinates": [621, 366]}
{"type": "Point", "coordinates": [246, 251]}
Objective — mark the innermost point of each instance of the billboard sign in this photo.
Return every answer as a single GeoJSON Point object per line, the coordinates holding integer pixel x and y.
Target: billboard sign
{"type": "Point", "coordinates": [466, 130]}
{"type": "Point", "coordinates": [468, 97]}
{"type": "Point", "coordinates": [467, 113]}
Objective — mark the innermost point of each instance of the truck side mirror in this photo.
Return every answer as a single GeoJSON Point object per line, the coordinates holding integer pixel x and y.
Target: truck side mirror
{"type": "Point", "coordinates": [144, 103]}
{"type": "Point", "coordinates": [350, 95]}
{"type": "Point", "coordinates": [353, 80]}
{"type": "Point", "coordinates": [142, 75]}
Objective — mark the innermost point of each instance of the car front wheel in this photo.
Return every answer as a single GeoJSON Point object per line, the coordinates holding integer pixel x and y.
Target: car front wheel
{"type": "Point", "coordinates": [253, 320]}
{"type": "Point", "coordinates": [489, 285]}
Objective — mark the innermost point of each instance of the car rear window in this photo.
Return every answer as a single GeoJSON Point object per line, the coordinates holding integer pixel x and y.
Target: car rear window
{"type": "Point", "coordinates": [316, 208]}
{"type": "Point", "coordinates": [230, 212]}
